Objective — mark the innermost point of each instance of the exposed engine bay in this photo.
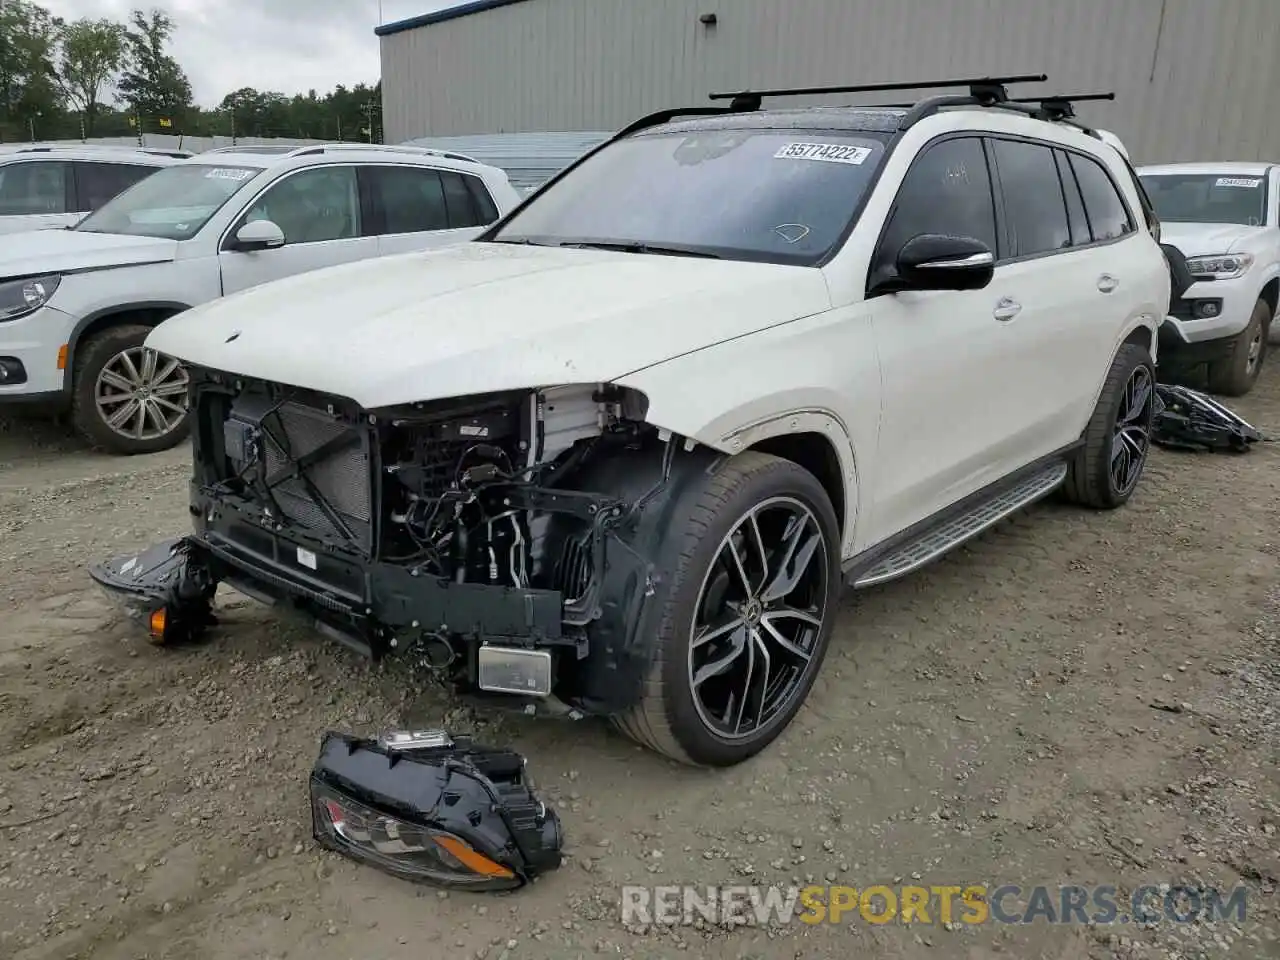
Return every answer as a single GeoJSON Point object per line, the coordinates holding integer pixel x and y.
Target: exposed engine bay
{"type": "Point", "coordinates": [500, 539]}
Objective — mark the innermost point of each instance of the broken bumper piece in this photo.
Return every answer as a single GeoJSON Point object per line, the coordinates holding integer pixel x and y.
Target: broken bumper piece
{"type": "Point", "coordinates": [166, 586]}
{"type": "Point", "coordinates": [1189, 419]}
{"type": "Point", "coordinates": [431, 809]}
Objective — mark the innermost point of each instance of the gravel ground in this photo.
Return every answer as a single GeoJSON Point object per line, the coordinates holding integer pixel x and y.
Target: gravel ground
{"type": "Point", "coordinates": [1073, 698]}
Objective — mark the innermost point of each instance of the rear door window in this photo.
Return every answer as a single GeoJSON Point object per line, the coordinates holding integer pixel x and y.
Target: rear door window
{"type": "Point", "coordinates": [409, 199]}
{"type": "Point", "coordinates": [459, 200]}
{"type": "Point", "coordinates": [96, 183]}
{"type": "Point", "coordinates": [1035, 208]}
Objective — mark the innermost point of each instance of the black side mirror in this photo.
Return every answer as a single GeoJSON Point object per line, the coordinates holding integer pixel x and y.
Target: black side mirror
{"type": "Point", "coordinates": [932, 261]}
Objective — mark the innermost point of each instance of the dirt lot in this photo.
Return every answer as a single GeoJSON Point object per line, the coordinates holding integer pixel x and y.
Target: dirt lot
{"type": "Point", "coordinates": [990, 720]}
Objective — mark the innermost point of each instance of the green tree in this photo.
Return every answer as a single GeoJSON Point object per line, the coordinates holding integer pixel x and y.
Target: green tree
{"type": "Point", "coordinates": [257, 113]}
{"type": "Point", "coordinates": [29, 92]}
{"type": "Point", "coordinates": [91, 55]}
{"type": "Point", "coordinates": [153, 84]}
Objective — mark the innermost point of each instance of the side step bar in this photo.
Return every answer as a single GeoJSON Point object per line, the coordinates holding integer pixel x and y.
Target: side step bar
{"type": "Point", "coordinates": [937, 540]}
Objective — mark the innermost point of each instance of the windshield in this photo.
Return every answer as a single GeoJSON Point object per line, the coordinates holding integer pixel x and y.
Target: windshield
{"type": "Point", "coordinates": [1208, 198]}
{"type": "Point", "coordinates": [779, 196]}
{"type": "Point", "coordinates": [172, 204]}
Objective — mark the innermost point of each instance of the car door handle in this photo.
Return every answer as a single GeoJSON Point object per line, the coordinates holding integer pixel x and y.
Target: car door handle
{"type": "Point", "coordinates": [1107, 283]}
{"type": "Point", "coordinates": [1007, 309]}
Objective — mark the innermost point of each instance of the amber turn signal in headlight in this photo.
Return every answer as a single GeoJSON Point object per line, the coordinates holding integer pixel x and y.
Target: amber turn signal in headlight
{"type": "Point", "coordinates": [429, 808]}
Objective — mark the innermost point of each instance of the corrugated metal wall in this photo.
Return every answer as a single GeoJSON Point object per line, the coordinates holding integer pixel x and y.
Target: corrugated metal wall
{"type": "Point", "coordinates": [1193, 78]}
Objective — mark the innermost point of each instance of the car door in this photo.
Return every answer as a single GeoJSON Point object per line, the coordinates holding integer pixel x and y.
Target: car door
{"type": "Point", "coordinates": [1070, 272]}
{"type": "Point", "coordinates": [945, 358]}
{"type": "Point", "coordinates": [1048, 276]}
{"type": "Point", "coordinates": [318, 209]}
{"type": "Point", "coordinates": [96, 182]}
{"type": "Point", "coordinates": [35, 195]}
{"type": "Point", "coordinates": [418, 207]}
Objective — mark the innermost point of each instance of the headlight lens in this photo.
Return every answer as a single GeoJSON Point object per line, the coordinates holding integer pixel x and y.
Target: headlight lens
{"type": "Point", "coordinates": [1226, 266]}
{"type": "Point", "coordinates": [20, 297]}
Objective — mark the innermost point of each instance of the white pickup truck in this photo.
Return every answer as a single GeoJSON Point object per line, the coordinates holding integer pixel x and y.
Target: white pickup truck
{"type": "Point", "coordinates": [1225, 219]}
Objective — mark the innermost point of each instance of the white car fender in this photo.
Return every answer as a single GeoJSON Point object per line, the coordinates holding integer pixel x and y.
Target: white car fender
{"type": "Point", "coordinates": [818, 421]}
{"type": "Point", "coordinates": [738, 430]}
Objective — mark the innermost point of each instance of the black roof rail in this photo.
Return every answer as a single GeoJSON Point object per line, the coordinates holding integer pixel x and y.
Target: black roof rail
{"type": "Point", "coordinates": [1056, 108]}
{"type": "Point", "coordinates": [1059, 107]}
{"type": "Point", "coordinates": [665, 116]}
{"type": "Point", "coordinates": [932, 105]}
{"type": "Point", "coordinates": [980, 88]}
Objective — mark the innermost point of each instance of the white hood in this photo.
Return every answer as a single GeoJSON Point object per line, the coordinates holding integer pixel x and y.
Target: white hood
{"type": "Point", "coordinates": [1207, 239]}
{"type": "Point", "coordinates": [480, 317]}
{"type": "Point", "coordinates": [63, 251]}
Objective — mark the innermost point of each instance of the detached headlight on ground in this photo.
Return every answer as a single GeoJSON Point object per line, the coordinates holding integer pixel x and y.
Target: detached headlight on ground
{"type": "Point", "coordinates": [1226, 266]}
{"type": "Point", "coordinates": [20, 297]}
{"type": "Point", "coordinates": [429, 808]}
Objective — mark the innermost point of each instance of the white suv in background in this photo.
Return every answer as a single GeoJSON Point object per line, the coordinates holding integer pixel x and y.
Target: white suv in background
{"type": "Point", "coordinates": [1225, 219]}
{"type": "Point", "coordinates": [618, 454]}
{"type": "Point", "coordinates": [47, 187]}
{"type": "Point", "coordinates": [76, 305]}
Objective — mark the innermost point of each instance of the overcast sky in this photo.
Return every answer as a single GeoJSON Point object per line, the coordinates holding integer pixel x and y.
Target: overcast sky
{"type": "Point", "coordinates": [285, 45]}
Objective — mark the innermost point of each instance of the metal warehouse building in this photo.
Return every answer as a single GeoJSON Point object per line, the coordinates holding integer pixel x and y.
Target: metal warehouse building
{"type": "Point", "coordinates": [1193, 79]}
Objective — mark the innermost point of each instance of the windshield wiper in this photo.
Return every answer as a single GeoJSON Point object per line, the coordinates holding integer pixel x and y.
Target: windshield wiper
{"type": "Point", "coordinates": [525, 242]}
{"type": "Point", "coordinates": [625, 246]}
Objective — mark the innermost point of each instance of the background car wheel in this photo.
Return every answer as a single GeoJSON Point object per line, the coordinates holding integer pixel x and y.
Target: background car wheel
{"type": "Point", "coordinates": [1235, 376]}
{"type": "Point", "coordinates": [127, 399]}
{"type": "Point", "coordinates": [1118, 438]}
{"type": "Point", "coordinates": [747, 614]}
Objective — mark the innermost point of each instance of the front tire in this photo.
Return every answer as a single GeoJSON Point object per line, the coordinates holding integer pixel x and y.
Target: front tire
{"type": "Point", "coordinates": [1236, 375]}
{"type": "Point", "coordinates": [746, 616]}
{"type": "Point", "coordinates": [1106, 471]}
{"type": "Point", "coordinates": [127, 400]}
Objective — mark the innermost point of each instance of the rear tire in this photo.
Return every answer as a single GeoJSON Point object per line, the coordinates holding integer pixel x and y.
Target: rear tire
{"type": "Point", "coordinates": [1106, 471]}
{"type": "Point", "coordinates": [108, 350]}
{"type": "Point", "coordinates": [727, 563]}
{"type": "Point", "coordinates": [1236, 375]}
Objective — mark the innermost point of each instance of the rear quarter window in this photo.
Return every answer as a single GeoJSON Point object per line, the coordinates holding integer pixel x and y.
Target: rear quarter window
{"type": "Point", "coordinates": [1108, 215]}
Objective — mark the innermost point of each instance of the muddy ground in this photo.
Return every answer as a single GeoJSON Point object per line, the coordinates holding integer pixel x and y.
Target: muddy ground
{"type": "Point", "coordinates": [1074, 698]}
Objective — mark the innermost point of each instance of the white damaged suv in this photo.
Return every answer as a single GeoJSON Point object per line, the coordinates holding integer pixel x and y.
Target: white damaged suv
{"type": "Point", "coordinates": [618, 455]}
{"type": "Point", "coordinates": [1225, 219]}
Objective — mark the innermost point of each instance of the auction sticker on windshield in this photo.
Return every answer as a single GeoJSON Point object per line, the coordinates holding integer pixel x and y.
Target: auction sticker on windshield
{"type": "Point", "coordinates": [1238, 182]}
{"type": "Point", "coordinates": [230, 173]}
{"type": "Point", "coordinates": [828, 152]}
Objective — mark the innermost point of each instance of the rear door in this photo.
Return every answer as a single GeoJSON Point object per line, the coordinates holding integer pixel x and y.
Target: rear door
{"type": "Point", "coordinates": [35, 195]}
{"type": "Point", "coordinates": [320, 212]}
{"type": "Point", "coordinates": [419, 207]}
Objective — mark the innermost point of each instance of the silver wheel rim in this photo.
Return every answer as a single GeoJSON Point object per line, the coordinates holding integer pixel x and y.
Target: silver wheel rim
{"type": "Point", "coordinates": [141, 394]}
{"type": "Point", "coordinates": [1132, 437]}
{"type": "Point", "coordinates": [758, 619]}
{"type": "Point", "coordinates": [1255, 353]}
